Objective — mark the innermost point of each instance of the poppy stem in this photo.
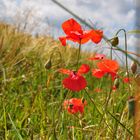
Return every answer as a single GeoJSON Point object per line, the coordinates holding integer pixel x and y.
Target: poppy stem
{"type": "Point", "coordinates": [111, 51]}
{"type": "Point", "coordinates": [93, 102]}
{"type": "Point", "coordinates": [78, 57]}
{"type": "Point", "coordinates": [97, 108]}
{"type": "Point", "coordinates": [126, 55]}
{"type": "Point", "coordinates": [107, 101]}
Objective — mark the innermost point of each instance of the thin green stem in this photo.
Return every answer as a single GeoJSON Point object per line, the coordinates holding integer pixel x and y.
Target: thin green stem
{"type": "Point", "coordinates": [126, 57]}
{"type": "Point", "coordinates": [78, 57]}
{"type": "Point", "coordinates": [111, 51]}
{"type": "Point", "coordinates": [93, 102]}
{"type": "Point", "coordinates": [97, 108]}
{"type": "Point", "coordinates": [126, 48]}
{"type": "Point", "coordinates": [5, 121]}
{"type": "Point", "coordinates": [120, 123]}
{"type": "Point", "coordinates": [107, 101]}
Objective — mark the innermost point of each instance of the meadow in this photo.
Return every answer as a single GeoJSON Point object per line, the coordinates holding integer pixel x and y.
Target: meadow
{"type": "Point", "coordinates": [35, 100]}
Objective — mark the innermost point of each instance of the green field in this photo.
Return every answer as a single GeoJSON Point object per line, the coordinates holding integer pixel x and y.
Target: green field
{"type": "Point", "coordinates": [31, 96]}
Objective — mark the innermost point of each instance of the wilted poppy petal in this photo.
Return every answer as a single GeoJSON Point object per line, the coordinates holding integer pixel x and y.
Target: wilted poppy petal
{"type": "Point", "coordinates": [75, 82]}
{"type": "Point", "coordinates": [97, 57]}
{"type": "Point", "coordinates": [98, 73]}
{"type": "Point", "coordinates": [84, 68]}
{"type": "Point", "coordinates": [70, 26]}
{"type": "Point", "coordinates": [108, 65]}
{"type": "Point", "coordinates": [65, 71]}
{"type": "Point", "coordinates": [63, 40]}
{"type": "Point", "coordinates": [96, 36]}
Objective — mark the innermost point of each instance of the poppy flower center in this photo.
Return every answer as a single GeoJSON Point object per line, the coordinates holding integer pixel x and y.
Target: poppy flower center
{"type": "Point", "coordinates": [74, 75]}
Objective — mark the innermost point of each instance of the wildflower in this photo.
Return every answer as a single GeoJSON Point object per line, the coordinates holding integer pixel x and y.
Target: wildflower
{"type": "Point", "coordinates": [106, 66]}
{"type": "Point", "coordinates": [126, 80]}
{"type": "Point", "coordinates": [74, 105]}
{"type": "Point", "coordinates": [97, 57]}
{"type": "Point", "coordinates": [75, 33]}
{"type": "Point", "coordinates": [98, 73]}
{"type": "Point", "coordinates": [75, 81]}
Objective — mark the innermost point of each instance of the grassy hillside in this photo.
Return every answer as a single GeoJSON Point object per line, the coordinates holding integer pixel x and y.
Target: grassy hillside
{"type": "Point", "coordinates": [31, 96]}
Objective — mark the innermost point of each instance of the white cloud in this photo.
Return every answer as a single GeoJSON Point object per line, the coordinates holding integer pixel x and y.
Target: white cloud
{"type": "Point", "coordinates": [111, 14]}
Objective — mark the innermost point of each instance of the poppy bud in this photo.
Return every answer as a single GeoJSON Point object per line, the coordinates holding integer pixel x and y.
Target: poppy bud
{"type": "Point", "coordinates": [114, 41]}
{"type": "Point", "coordinates": [48, 64]}
{"type": "Point", "coordinates": [131, 106]}
{"type": "Point", "coordinates": [116, 83]}
{"type": "Point", "coordinates": [133, 67]}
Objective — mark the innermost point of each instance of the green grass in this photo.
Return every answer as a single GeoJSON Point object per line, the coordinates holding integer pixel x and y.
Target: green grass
{"type": "Point", "coordinates": [31, 97]}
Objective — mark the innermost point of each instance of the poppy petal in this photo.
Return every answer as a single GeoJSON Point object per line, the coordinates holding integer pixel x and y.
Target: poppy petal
{"type": "Point", "coordinates": [97, 57]}
{"type": "Point", "coordinates": [108, 65]}
{"type": "Point", "coordinates": [63, 40]}
{"type": "Point", "coordinates": [85, 37]}
{"type": "Point", "coordinates": [126, 80]}
{"type": "Point", "coordinates": [84, 68]}
{"type": "Point", "coordinates": [75, 82]}
{"type": "Point", "coordinates": [96, 36]}
{"type": "Point", "coordinates": [98, 73]}
{"type": "Point", "coordinates": [70, 26]}
{"type": "Point", "coordinates": [65, 71]}
{"type": "Point", "coordinates": [74, 37]}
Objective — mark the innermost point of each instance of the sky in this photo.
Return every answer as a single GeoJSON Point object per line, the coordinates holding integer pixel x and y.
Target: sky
{"type": "Point", "coordinates": [110, 15]}
{"type": "Point", "coordinates": [45, 17]}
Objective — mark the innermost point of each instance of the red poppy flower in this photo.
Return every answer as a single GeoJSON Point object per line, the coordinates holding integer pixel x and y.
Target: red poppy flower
{"type": "Point", "coordinates": [75, 33]}
{"type": "Point", "coordinates": [97, 57]}
{"type": "Point", "coordinates": [74, 105]}
{"type": "Point", "coordinates": [126, 80]}
{"type": "Point", "coordinates": [106, 66]}
{"type": "Point", "coordinates": [75, 81]}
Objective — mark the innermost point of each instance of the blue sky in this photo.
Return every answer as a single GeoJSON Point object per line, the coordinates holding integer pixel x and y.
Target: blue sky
{"type": "Point", "coordinates": [46, 17]}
